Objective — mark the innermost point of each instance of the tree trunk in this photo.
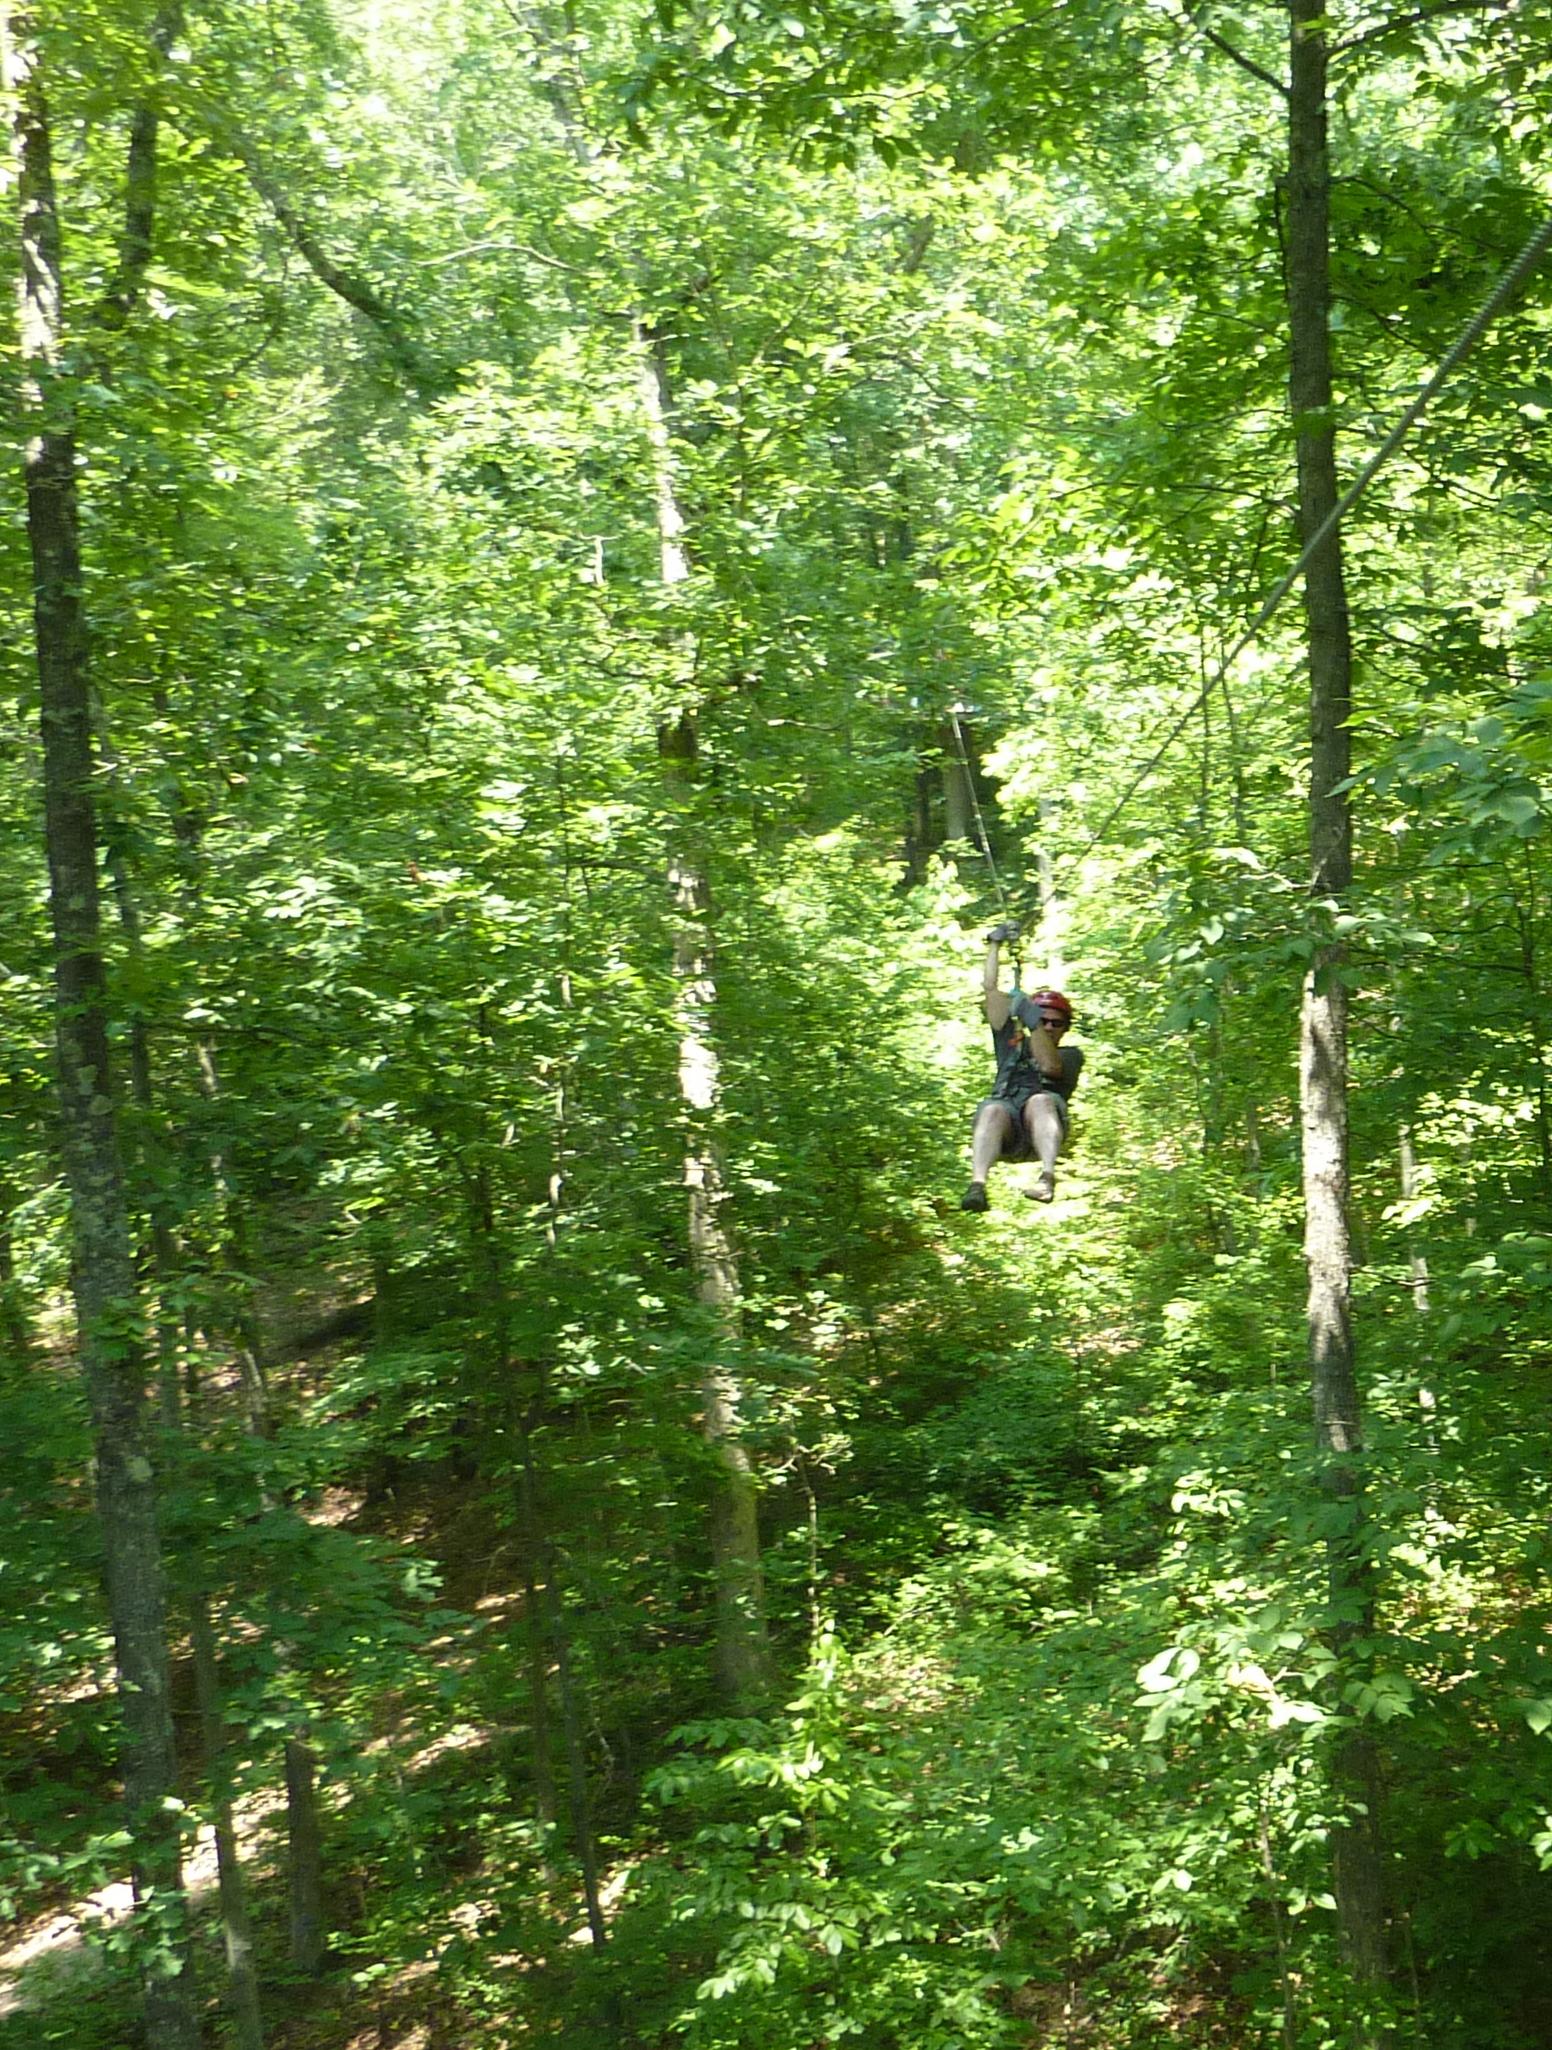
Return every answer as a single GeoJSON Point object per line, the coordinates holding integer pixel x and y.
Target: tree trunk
{"type": "Point", "coordinates": [578, 1801]}
{"type": "Point", "coordinates": [103, 1278]}
{"type": "Point", "coordinates": [1358, 1847]}
{"type": "Point", "coordinates": [238, 1319]}
{"type": "Point", "coordinates": [547, 1641]}
{"type": "Point", "coordinates": [1525, 916]}
{"type": "Point", "coordinates": [304, 1856]}
{"type": "Point", "coordinates": [958, 785]}
{"type": "Point", "coordinates": [236, 1925]}
{"type": "Point", "coordinates": [157, 1212]}
{"type": "Point", "coordinates": [1415, 1258]}
{"type": "Point", "coordinates": [742, 1653]}
{"type": "Point", "coordinates": [536, 1635]}
{"type": "Point", "coordinates": [236, 1928]}
{"type": "Point", "coordinates": [918, 842]}
{"type": "Point", "coordinates": [16, 1341]}
{"type": "Point", "coordinates": [742, 1643]}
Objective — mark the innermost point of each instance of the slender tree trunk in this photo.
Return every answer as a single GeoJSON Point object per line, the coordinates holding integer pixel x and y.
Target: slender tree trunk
{"type": "Point", "coordinates": [304, 1828]}
{"type": "Point", "coordinates": [1415, 1259]}
{"type": "Point", "coordinates": [237, 1930]}
{"type": "Point", "coordinates": [1050, 936]}
{"type": "Point", "coordinates": [236, 1927]}
{"type": "Point", "coordinates": [742, 1644]}
{"type": "Point", "coordinates": [958, 785]}
{"type": "Point", "coordinates": [1525, 914]}
{"type": "Point", "coordinates": [103, 1278]}
{"type": "Point", "coordinates": [159, 1216]}
{"type": "Point", "coordinates": [238, 1319]}
{"type": "Point", "coordinates": [548, 1642]}
{"type": "Point", "coordinates": [304, 1860]}
{"type": "Point", "coordinates": [918, 840]}
{"type": "Point", "coordinates": [16, 1340]}
{"type": "Point", "coordinates": [533, 1538]}
{"type": "Point", "coordinates": [578, 1801]}
{"type": "Point", "coordinates": [536, 1634]}
{"type": "Point", "coordinates": [1359, 1852]}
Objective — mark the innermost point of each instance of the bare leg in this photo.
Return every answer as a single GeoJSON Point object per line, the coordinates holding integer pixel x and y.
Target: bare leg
{"type": "Point", "coordinates": [994, 1127]}
{"type": "Point", "coordinates": [1043, 1118]}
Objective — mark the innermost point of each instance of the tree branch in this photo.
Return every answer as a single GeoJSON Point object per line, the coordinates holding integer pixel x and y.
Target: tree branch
{"type": "Point", "coordinates": [347, 284]}
{"type": "Point", "coordinates": [1414, 20]}
{"type": "Point", "coordinates": [566, 106]}
{"type": "Point", "coordinates": [1232, 51]}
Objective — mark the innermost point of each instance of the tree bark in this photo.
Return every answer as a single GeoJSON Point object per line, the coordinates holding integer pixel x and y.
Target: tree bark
{"type": "Point", "coordinates": [1416, 1261]}
{"type": "Point", "coordinates": [350, 285]}
{"type": "Point", "coordinates": [304, 1856]}
{"type": "Point", "coordinates": [742, 1642]}
{"type": "Point", "coordinates": [135, 242]}
{"type": "Point", "coordinates": [918, 841]}
{"type": "Point", "coordinates": [1358, 1848]}
{"type": "Point", "coordinates": [16, 1340]}
{"type": "Point", "coordinates": [547, 1640]}
{"type": "Point", "coordinates": [536, 1568]}
{"type": "Point", "coordinates": [578, 1801]}
{"type": "Point", "coordinates": [959, 786]}
{"type": "Point", "coordinates": [1525, 916]}
{"type": "Point", "coordinates": [108, 1310]}
{"type": "Point", "coordinates": [236, 1926]}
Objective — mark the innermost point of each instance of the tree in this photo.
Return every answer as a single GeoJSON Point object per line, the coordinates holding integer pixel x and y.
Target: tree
{"type": "Point", "coordinates": [102, 1265]}
{"type": "Point", "coordinates": [1360, 1852]}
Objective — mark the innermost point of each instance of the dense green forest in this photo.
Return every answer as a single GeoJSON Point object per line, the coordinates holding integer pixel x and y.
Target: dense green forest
{"type": "Point", "coordinates": [563, 563]}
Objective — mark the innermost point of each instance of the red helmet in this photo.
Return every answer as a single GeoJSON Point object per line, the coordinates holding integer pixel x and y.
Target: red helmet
{"type": "Point", "coordinates": [1052, 1000]}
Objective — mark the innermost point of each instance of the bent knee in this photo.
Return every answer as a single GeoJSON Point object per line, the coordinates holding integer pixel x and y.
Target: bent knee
{"type": "Point", "coordinates": [994, 1116]}
{"type": "Point", "coordinates": [998, 1132]}
{"type": "Point", "coordinates": [1046, 1113]}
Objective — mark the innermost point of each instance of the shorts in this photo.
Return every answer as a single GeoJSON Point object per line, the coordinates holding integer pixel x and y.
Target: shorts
{"type": "Point", "coordinates": [1021, 1147]}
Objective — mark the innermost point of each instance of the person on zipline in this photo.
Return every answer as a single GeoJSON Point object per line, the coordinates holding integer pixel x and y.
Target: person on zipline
{"type": "Point", "coordinates": [1025, 1117]}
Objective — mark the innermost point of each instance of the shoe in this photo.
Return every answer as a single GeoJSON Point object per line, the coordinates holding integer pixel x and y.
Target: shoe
{"type": "Point", "coordinates": [974, 1197]}
{"type": "Point", "coordinates": [1044, 1190]}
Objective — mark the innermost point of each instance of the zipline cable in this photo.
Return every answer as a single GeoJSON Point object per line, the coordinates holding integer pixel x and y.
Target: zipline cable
{"type": "Point", "coordinates": [1507, 286]}
{"type": "Point", "coordinates": [975, 810]}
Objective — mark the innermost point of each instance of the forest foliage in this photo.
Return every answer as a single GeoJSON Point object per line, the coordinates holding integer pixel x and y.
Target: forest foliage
{"type": "Point", "coordinates": [614, 543]}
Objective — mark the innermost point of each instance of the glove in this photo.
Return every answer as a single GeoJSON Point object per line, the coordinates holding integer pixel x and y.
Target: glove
{"type": "Point", "coordinates": [1008, 930]}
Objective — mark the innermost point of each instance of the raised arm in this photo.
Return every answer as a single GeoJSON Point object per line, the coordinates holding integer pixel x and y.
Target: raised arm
{"type": "Point", "coordinates": [999, 1002]}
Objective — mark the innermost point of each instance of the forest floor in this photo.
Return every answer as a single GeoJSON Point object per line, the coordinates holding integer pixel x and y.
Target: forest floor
{"type": "Point", "coordinates": [445, 1768]}
{"type": "Point", "coordinates": [58, 1968]}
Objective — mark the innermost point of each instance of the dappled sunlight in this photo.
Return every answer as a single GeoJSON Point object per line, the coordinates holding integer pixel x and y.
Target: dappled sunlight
{"type": "Point", "coordinates": [56, 1944]}
{"type": "Point", "coordinates": [500, 1606]}
{"type": "Point", "coordinates": [462, 1737]}
{"type": "Point", "coordinates": [591, 588]}
{"type": "Point", "coordinates": [334, 1508]}
{"type": "Point", "coordinates": [67, 1941]}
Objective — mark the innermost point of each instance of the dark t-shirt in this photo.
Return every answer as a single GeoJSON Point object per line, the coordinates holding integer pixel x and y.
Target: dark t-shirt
{"type": "Point", "coordinates": [1018, 1072]}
